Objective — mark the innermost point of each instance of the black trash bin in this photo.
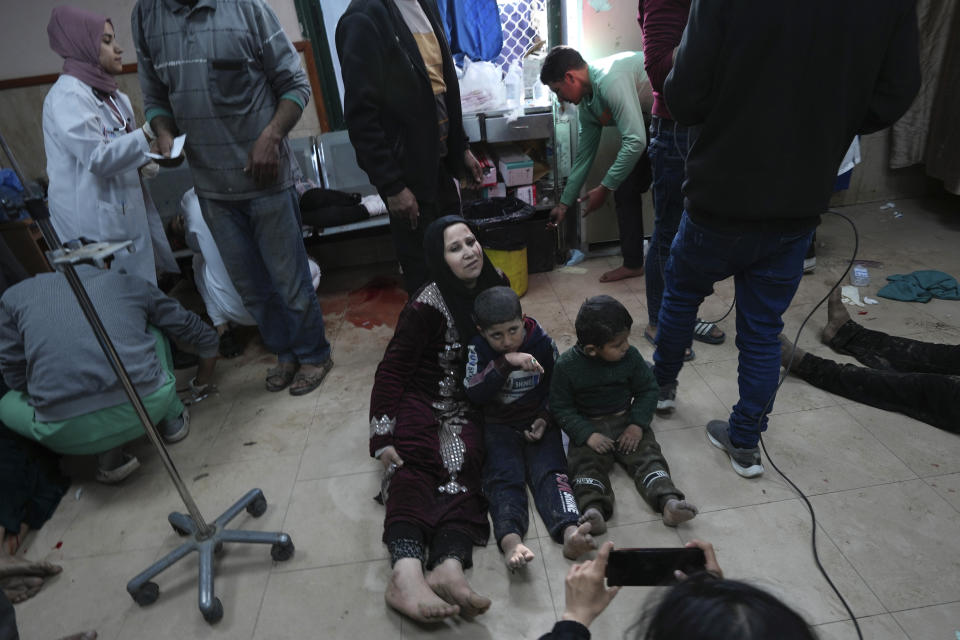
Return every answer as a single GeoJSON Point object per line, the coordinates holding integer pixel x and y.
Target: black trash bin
{"type": "Point", "coordinates": [510, 224]}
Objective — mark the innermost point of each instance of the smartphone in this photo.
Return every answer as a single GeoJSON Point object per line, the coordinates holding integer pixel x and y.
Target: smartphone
{"type": "Point", "coordinates": [652, 567]}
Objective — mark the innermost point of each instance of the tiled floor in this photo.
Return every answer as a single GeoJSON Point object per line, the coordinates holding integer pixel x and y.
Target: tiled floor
{"type": "Point", "coordinates": [886, 488]}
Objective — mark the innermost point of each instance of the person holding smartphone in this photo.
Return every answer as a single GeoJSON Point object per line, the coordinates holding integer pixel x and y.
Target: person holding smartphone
{"type": "Point", "coordinates": [704, 606]}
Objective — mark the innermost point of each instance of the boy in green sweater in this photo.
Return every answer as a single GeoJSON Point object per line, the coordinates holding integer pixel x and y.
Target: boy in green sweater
{"type": "Point", "coordinates": [603, 395]}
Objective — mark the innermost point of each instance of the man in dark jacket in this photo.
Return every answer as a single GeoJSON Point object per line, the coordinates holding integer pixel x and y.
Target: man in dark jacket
{"type": "Point", "coordinates": [402, 107]}
{"type": "Point", "coordinates": [778, 90]}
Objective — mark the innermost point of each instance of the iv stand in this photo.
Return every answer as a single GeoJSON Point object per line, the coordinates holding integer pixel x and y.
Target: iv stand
{"type": "Point", "coordinates": [205, 538]}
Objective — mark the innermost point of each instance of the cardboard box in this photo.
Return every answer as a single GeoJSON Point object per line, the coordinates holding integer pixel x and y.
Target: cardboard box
{"type": "Point", "coordinates": [527, 193]}
{"type": "Point", "coordinates": [499, 190]}
{"type": "Point", "coordinates": [489, 168]}
{"type": "Point", "coordinates": [516, 167]}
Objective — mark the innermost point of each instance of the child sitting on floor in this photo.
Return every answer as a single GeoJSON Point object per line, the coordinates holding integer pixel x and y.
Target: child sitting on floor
{"type": "Point", "coordinates": [508, 372]}
{"type": "Point", "coordinates": [603, 395]}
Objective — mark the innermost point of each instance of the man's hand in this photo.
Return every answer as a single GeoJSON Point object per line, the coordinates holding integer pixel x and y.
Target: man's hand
{"type": "Point", "coordinates": [557, 214]}
{"type": "Point", "coordinates": [165, 131]}
{"type": "Point", "coordinates": [600, 443]}
{"type": "Point", "coordinates": [594, 199]}
{"type": "Point", "coordinates": [523, 361]}
{"type": "Point", "coordinates": [535, 432]}
{"type": "Point", "coordinates": [711, 565]}
{"type": "Point", "coordinates": [630, 439]}
{"type": "Point", "coordinates": [389, 456]}
{"type": "Point", "coordinates": [263, 161]}
{"type": "Point", "coordinates": [404, 205]}
{"type": "Point", "coordinates": [586, 593]}
{"type": "Point", "coordinates": [474, 175]}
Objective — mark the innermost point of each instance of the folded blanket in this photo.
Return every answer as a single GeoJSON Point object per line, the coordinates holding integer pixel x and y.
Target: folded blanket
{"type": "Point", "coordinates": [921, 286]}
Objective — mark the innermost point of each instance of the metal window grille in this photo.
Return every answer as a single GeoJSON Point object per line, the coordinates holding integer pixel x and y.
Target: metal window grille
{"type": "Point", "coordinates": [523, 21]}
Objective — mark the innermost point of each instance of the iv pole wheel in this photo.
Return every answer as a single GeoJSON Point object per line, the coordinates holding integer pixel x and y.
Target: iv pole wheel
{"type": "Point", "coordinates": [282, 552]}
{"type": "Point", "coordinates": [214, 613]}
{"type": "Point", "coordinates": [147, 594]}
{"type": "Point", "coordinates": [258, 507]}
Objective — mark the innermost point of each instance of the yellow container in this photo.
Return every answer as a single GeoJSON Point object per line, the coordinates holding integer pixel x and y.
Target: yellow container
{"type": "Point", "coordinates": [512, 262]}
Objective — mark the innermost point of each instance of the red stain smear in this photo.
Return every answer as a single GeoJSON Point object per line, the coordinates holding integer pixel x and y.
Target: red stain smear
{"type": "Point", "coordinates": [376, 304]}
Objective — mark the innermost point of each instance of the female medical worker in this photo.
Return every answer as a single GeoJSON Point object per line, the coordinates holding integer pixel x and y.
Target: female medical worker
{"type": "Point", "coordinates": [96, 157]}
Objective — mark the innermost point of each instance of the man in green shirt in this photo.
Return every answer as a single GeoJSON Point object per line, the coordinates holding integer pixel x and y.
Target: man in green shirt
{"type": "Point", "coordinates": [612, 91]}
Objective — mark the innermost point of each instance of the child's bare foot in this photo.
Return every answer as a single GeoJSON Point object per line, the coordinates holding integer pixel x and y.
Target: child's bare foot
{"type": "Point", "coordinates": [577, 541]}
{"type": "Point", "coordinates": [12, 541]}
{"type": "Point", "coordinates": [409, 593]}
{"type": "Point", "coordinates": [515, 553]}
{"type": "Point", "coordinates": [448, 582]}
{"type": "Point", "coordinates": [837, 316]}
{"type": "Point", "coordinates": [677, 511]}
{"type": "Point", "coordinates": [786, 350]}
{"type": "Point", "coordinates": [597, 524]}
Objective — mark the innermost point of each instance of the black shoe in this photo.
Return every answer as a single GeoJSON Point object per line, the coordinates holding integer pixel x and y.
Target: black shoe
{"type": "Point", "coordinates": [667, 399]}
{"type": "Point", "coordinates": [229, 347]}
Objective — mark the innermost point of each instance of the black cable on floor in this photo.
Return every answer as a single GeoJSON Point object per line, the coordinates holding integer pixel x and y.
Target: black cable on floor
{"type": "Point", "coordinates": [793, 351]}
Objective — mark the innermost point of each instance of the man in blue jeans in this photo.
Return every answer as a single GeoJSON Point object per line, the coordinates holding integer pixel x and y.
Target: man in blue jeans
{"type": "Point", "coordinates": [662, 23]}
{"type": "Point", "coordinates": [225, 74]}
{"type": "Point", "coordinates": [775, 116]}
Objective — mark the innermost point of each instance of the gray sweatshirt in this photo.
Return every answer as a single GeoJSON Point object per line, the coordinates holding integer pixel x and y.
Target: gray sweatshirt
{"type": "Point", "coordinates": [219, 68]}
{"type": "Point", "coordinates": [49, 351]}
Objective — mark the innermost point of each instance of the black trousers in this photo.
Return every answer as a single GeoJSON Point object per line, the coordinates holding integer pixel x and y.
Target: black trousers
{"type": "Point", "coordinates": [408, 242]}
{"type": "Point", "coordinates": [629, 207]}
{"type": "Point", "coordinates": [915, 378]}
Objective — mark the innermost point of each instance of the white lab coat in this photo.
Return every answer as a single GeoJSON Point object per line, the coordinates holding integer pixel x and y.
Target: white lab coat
{"type": "Point", "coordinates": [220, 297]}
{"type": "Point", "coordinates": [95, 185]}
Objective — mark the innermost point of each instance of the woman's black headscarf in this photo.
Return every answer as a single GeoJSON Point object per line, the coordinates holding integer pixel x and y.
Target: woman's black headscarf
{"type": "Point", "coordinates": [456, 294]}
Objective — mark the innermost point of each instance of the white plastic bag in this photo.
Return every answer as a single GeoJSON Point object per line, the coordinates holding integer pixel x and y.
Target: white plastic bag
{"type": "Point", "coordinates": [482, 87]}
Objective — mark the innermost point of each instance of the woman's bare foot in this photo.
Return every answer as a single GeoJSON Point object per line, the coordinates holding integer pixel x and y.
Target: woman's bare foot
{"type": "Point", "coordinates": [837, 316]}
{"type": "Point", "coordinates": [10, 566]}
{"type": "Point", "coordinates": [621, 273]}
{"type": "Point", "coordinates": [577, 541]}
{"type": "Point", "coordinates": [20, 588]}
{"type": "Point", "coordinates": [21, 579]}
{"type": "Point", "coordinates": [409, 593]}
{"type": "Point", "coordinates": [677, 511]}
{"type": "Point", "coordinates": [597, 524]}
{"type": "Point", "coordinates": [515, 553]}
{"type": "Point", "coordinates": [448, 582]}
{"type": "Point", "coordinates": [787, 350]}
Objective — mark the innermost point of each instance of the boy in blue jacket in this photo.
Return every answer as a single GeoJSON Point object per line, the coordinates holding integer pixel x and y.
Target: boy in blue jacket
{"type": "Point", "coordinates": [508, 372]}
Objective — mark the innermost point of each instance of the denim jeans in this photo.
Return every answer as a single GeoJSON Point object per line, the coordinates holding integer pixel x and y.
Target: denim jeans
{"type": "Point", "coordinates": [262, 247]}
{"type": "Point", "coordinates": [669, 146]}
{"type": "Point", "coordinates": [510, 464]}
{"type": "Point", "coordinates": [767, 267]}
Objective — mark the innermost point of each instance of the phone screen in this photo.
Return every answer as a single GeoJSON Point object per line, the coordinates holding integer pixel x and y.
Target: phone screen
{"type": "Point", "coordinates": [652, 567]}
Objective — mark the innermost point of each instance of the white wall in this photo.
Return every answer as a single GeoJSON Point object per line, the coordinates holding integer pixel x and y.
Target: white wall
{"type": "Point", "coordinates": [25, 50]}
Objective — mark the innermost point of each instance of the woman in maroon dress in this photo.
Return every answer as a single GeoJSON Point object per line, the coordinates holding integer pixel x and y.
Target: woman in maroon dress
{"type": "Point", "coordinates": [428, 436]}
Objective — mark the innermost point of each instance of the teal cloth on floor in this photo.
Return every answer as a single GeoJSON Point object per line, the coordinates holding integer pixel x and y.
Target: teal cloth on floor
{"type": "Point", "coordinates": [921, 286]}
